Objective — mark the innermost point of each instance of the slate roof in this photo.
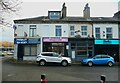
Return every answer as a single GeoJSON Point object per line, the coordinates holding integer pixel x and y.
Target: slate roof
{"type": "Point", "coordinates": [117, 15]}
{"type": "Point", "coordinates": [44, 19]}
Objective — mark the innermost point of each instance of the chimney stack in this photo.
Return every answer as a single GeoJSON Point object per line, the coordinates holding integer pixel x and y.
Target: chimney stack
{"type": "Point", "coordinates": [86, 11]}
{"type": "Point", "coordinates": [64, 9]}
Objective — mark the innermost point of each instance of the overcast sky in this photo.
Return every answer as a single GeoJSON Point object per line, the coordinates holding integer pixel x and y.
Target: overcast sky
{"type": "Point", "coordinates": [34, 8]}
{"type": "Point", "coordinates": [98, 8]}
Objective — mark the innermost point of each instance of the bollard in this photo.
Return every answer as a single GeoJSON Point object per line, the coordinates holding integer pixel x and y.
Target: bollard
{"type": "Point", "coordinates": [43, 80]}
{"type": "Point", "coordinates": [103, 78]}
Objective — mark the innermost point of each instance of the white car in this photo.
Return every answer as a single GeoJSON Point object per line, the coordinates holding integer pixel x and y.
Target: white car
{"type": "Point", "coordinates": [52, 57]}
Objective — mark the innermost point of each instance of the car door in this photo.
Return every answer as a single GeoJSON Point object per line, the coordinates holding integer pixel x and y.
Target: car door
{"type": "Point", "coordinates": [97, 59]}
{"type": "Point", "coordinates": [56, 58]}
{"type": "Point", "coordinates": [49, 57]}
{"type": "Point", "coordinates": [105, 59]}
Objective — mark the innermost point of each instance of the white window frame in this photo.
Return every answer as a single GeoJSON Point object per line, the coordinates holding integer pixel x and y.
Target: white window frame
{"type": "Point", "coordinates": [96, 33]}
{"type": "Point", "coordinates": [72, 31]}
{"type": "Point", "coordinates": [20, 30]}
{"type": "Point", "coordinates": [84, 31]}
{"type": "Point", "coordinates": [109, 33]}
{"type": "Point", "coordinates": [58, 28]}
{"type": "Point", "coordinates": [33, 29]}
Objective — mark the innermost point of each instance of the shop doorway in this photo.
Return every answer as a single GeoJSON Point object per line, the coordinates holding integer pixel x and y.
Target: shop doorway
{"type": "Point", "coordinates": [20, 52]}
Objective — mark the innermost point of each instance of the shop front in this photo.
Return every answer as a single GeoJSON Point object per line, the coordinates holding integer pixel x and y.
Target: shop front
{"type": "Point", "coordinates": [109, 46]}
{"type": "Point", "coordinates": [56, 44]}
{"type": "Point", "coordinates": [26, 48]}
{"type": "Point", "coordinates": [80, 48]}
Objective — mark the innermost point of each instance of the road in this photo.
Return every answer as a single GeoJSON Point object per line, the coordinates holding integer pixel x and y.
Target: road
{"type": "Point", "coordinates": [32, 72]}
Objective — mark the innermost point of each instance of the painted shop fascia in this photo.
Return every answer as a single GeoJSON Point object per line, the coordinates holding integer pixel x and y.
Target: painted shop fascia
{"type": "Point", "coordinates": [27, 48]}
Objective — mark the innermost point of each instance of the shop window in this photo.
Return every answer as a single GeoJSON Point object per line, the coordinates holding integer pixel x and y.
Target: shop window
{"type": "Point", "coordinates": [57, 44]}
{"type": "Point", "coordinates": [73, 45]}
{"type": "Point", "coordinates": [27, 50]}
{"type": "Point", "coordinates": [90, 43]}
{"type": "Point", "coordinates": [54, 47]}
{"type": "Point", "coordinates": [81, 44]}
{"type": "Point", "coordinates": [81, 51]}
{"type": "Point", "coordinates": [33, 50]}
{"type": "Point", "coordinates": [30, 50]}
{"type": "Point", "coordinates": [58, 50]}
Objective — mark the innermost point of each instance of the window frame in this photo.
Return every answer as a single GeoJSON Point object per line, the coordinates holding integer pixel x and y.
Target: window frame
{"type": "Point", "coordinates": [72, 31]}
{"type": "Point", "coordinates": [32, 30]}
{"type": "Point", "coordinates": [97, 32]}
{"type": "Point", "coordinates": [109, 33]}
{"type": "Point", "coordinates": [58, 31]}
{"type": "Point", "coordinates": [84, 31]}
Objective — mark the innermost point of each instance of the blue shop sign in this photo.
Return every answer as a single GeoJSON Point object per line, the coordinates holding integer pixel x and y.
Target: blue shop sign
{"type": "Point", "coordinates": [27, 41]}
{"type": "Point", "coordinates": [34, 41]}
{"type": "Point", "coordinates": [114, 42]}
{"type": "Point", "coordinates": [20, 41]}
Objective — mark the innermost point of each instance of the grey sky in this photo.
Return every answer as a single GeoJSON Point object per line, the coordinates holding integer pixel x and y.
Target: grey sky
{"type": "Point", "coordinates": [40, 8]}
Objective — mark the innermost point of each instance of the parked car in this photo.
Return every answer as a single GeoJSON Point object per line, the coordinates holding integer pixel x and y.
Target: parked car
{"type": "Point", "coordinates": [3, 53]}
{"type": "Point", "coordinates": [100, 59]}
{"type": "Point", "coordinates": [52, 57]}
{"type": "Point", "coordinates": [9, 53]}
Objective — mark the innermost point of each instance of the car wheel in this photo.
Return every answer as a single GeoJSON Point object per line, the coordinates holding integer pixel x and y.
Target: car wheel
{"type": "Point", "coordinates": [42, 63]}
{"type": "Point", "coordinates": [90, 64]}
{"type": "Point", "coordinates": [64, 63]}
{"type": "Point", "coordinates": [110, 64]}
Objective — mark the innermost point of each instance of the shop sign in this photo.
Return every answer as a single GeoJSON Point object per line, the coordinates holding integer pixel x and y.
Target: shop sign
{"type": "Point", "coordinates": [27, 41]}
{"type": "Point", "coordinates": [115, 42]}
{"type": "Point", "coordinates": [55, 39]}
{"type": "Point", "coordinates": [34, 41]}
{"type": "Point", "coordinates": [20, 41]}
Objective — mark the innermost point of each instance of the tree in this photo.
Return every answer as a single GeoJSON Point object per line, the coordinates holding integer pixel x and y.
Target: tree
{"type": "Point", "coordinates": [7, 10]}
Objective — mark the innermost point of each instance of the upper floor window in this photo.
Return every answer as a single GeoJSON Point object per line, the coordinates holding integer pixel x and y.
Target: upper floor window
{"type": "Point", "coordinates": [72, 29]}
{"type": "Point", "coordinates": [20, 31]}
{"type": "Point", "coordinates": [84, 30]}
{"type": "Point", "coordinates": [109, 32]}
{"type": "Point", "coordinates": [54, 14]}
{"type": "Point", "coordinates": [119, 32]}
{"type": "Point", "coordinates": [32, 30]}
{"type": "Point", "coordinates": [97, 32]}
{"type": "Point", "coordinates": [58, 31]}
